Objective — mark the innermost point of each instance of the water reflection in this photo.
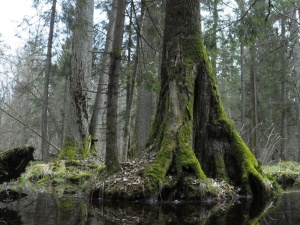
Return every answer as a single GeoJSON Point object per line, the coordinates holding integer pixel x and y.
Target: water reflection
{"type": "Point", "coordinates": [50, 210]}
{"type": "Point", "coordinates": [287, 211]}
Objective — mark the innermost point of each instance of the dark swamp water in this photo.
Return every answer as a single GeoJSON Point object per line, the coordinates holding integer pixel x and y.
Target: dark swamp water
{"type": "Point", "coordinates": [44, 209]}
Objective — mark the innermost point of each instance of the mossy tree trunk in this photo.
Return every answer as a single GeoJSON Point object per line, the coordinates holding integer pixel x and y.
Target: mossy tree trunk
{"type": "Point", "coordinates": [172, 132]}
{"type": "Point", "coordinates": [219, 148]}
{"type": "Point", "coordinates": [77, 139]}
{"type": "Point", "coordinates": [190, 118]}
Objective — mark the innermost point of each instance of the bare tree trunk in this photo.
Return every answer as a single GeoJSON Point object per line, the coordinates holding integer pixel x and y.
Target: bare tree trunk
{"type": "Point", "coordinates": [296, 73]}
{"type": "Point", "coordinates": [243, 86]}
{"type": "Point", "coordinates": [254, 107]}
{"type": "Point", "coordinates": [97, 127]}
{"type": "Point", "coordinates": [45, 146]}
{"type": "Point", "coordinates": [283, 93]}
{"type": "Point", "coordinates": [111, 159]}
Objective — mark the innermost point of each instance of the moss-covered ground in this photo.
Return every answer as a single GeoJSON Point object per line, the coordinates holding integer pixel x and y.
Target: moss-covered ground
{"type": "Point", "coordinates": [286, 173]}
{"type": "Point", "coordinates": [88, 176]}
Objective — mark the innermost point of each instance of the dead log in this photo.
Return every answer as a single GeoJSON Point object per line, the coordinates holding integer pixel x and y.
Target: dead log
{"type": "Point", "coordinates": [13, 162]}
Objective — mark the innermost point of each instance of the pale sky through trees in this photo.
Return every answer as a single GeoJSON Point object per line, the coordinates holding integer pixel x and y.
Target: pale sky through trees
{"type": "Point", "coordinates": [12, 13]}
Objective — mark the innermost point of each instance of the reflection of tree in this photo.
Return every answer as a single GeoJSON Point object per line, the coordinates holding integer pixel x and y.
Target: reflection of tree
{"type": "Point", "coordinates": [245, 212]}
{"type": "Point", "coordinates": [285, 212]}
{"type": "Point", "coordinates": [47, 209]}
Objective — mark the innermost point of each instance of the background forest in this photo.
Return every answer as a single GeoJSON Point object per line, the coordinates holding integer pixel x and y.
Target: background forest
{"type": "Point", "coordinates": [253, 45]}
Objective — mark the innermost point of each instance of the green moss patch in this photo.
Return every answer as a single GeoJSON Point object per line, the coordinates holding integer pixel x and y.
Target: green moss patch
{"type": "Point", "coordinates": [287, 174]}
{"type": "Point", "coordinates": [61, 173]}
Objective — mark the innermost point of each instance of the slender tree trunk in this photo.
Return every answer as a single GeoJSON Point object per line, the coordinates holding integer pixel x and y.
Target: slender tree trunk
{"type": "Point", "coordinates": [97, 126]}
{"type": "Point", "coordinates": [45, 145]}
{"type": "Point", "coordinates": [296, 75]}
{"type": "Point", "coordinates": [283, 92]}
{"type": "Point", "coordinates": [243, 86]}
{"type": "Point", "coordinates": [112, 162]}
{"type": "Point", "coordinates": [254, 107]}
{"type": "Point", "coordinates": [130, 86]}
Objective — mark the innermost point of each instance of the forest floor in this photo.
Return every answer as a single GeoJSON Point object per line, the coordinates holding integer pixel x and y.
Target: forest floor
{"type": "Point", "coordinates": [88, 177]}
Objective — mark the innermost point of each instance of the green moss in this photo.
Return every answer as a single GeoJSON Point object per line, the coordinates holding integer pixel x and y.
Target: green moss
{"type": "Point", "coordinates": [37, 171]}
{"type": "Point", "coordinates": [221, 173]}
{"type": "Point", "coordinates": [72, 162]}
{"type": "Point", "coordinates": [85, 151]}
{"type": "Point", "coordinates": [251, 169]}
{"type": "Point", "coordinates": [69, 149]}
{"type": "Point", "coordinates": [44, 181]}
{"type": "Point", "coordinates": [66, 206]}
{"type": "Point", "coordinates": [186, 156]}
{"type": "Point", "coordinates": [78, 177]}
{"type": "Point", "coordinates": [158, 169]}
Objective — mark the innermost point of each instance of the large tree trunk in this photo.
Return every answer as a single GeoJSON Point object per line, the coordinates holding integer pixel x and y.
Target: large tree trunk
{"type": "Point", "coordinates": [190, 114]}
{"type": "Point", "coordinates": [219, 148]}
{"type": "Point", "coordinates": [111, 159]}
{"type": "Point", "coordinates": [171, 133]}
{"type": "Point", "coordinates": [77, 137]}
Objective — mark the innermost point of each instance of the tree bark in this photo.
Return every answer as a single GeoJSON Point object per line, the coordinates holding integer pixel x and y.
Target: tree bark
{"type": "Point", "coordinates": [254, 107]}
{"type": "Point", "coordinates": [283, 103]}
{"type": "Point", "coordinates": [97, 126]}
{"type": "Point", "coordinates": [296, 75]}
{"type": "Point", "coordinates": [171, 133]}
{"type": "Point", "coordinates": [131, 85]}
{"type": "Point", "coordinates": [45, 145]}
{"type": "Point", "coordinates": [214, 46]}
{"type": "Point", "coordinates": [111, 159]}
{"type": "Point", "coordinates": [190, 115]}
{"type": "Point", "coordinates": [243, 86]}
{"type": "Point", "coordinates": [77, 137]}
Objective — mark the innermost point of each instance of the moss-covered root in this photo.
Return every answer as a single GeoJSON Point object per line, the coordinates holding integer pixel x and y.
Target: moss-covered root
{"type": "Point", "coordinates": [176, 172]}
{"type": "Point", "coordinates": [253, 181]}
